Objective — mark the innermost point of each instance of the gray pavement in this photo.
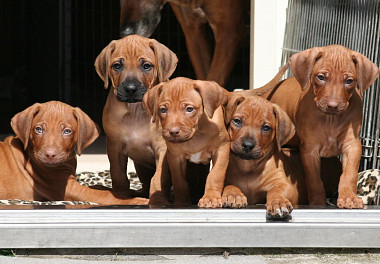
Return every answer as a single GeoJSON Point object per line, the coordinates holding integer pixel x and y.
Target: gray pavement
{"type": "Point", "coordinates": [196, 256]}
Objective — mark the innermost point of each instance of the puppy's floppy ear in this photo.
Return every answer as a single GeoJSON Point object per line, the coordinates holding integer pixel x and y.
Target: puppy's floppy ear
{"type": "Point", "coordinates": [21, 123]}
{"type": "Point", "coordinates": [87, 132]}
{"type": "Point", "coordinates": [150, 100]}
{"type": "Point", "coordinates": [367, 71]}
{"type": "Point", "coordinates": [285, 129]}
{"type": "Point", "coordinates": [102, 62]}
{"type": "Point", "coordinates": [213, 95]}
{"type": "Point", "coordinates": [166, 60]}
{"type": "Point", "coordinates": [230, 105]}
{"type": "Point", "coordinates": [302, 63]}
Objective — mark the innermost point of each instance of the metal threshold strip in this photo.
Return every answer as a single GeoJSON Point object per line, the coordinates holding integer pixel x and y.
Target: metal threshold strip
{"type": "Point", "coordinates": [163, 228]}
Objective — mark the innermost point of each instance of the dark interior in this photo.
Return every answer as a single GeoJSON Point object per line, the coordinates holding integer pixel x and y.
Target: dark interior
{"type": "Point", "coordinates": [48, 48]}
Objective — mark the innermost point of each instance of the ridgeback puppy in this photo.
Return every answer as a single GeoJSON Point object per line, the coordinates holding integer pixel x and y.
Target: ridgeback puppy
{"type": "Point", "coordinates": [324, 101]}
{"type": "Point", "coordinates": [191, 118]}
{"type": "Point", "coordinates": [259, 170]}
{"type": "Point", "coordinates": [134, 64]}
{"type": "Point", "coordinates": [225, 17]}
{"type": "Point", "coordinates": [40, 162]}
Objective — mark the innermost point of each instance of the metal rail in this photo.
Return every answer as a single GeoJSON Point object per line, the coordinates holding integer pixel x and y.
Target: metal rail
{"type": "Point", "coordinates": [189, 228]}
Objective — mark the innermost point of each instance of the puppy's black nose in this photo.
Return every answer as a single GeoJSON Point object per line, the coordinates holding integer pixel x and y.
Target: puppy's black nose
{"type": "Point", "coordinates": [248, 145]}
{"type": "Point", "coordinates": [131, 87]}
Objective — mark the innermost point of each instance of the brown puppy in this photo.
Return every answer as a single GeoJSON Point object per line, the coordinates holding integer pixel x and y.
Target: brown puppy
{"type": "Point", "coordinates": [191, 118]}
{"type": "Point", "coordinates": [134, 64]}
{"type": "Point", "coordinates": [225, 17]}
{"type": "Point", "coordinates": [259, 170]}
{"type": "Point", "coordinates": [40, 163]}
{"type": "Point", "coordinates": [324, 102]}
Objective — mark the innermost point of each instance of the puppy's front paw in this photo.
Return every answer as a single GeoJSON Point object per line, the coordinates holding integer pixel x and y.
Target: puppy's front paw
{"type": "Point", "coordinates": [210, 201]}
{"type": "Point", "coordinates": [234, 201]}
{"type": "Point", "coordinates": [317, 200]}
{"type": "Point", "coordinates": [351, 202]}
{"type": "Point", "coordinates": [279, 207]}
{"type": "Point", "coordinates": [158, 198]}
{"type": "Point", "coordinates": [233, 197]}
{"type": "Point", "coordinates": [138, 201]}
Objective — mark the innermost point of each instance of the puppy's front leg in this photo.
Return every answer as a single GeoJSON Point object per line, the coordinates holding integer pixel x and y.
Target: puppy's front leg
{"type": "Point", "coordinates": [160, 184]}
{"type": "Point", "coordinates": [311, 162]}
{"type": "Point", "coordinates": [118, 167]}
{"type": "Point", "coordinates": [278, 205]}
{"type": "Point", "coordinates": [76, 192]}
{"type": "Point", "coordinates": [181, 189]}
{"type": "Point", "coordinates": [212, 197]}
{"type": "Point", "coordinates": [347, 198]}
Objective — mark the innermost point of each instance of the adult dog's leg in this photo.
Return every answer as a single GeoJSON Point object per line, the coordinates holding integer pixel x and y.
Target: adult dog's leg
{"type": "Point", "coordinates": [227, 24]}
{"type": "Point", "coordinates": [197, 41]}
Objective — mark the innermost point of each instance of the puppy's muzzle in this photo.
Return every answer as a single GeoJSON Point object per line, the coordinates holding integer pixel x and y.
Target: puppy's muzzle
{"type": "Point", "coordinates": [331, 106]}
{"type": "Point", "coordinates": [176, 134]}
{"type": "Point", "coordinates": [131, 91]}
{"type": "Point", "coordinates": [247, 149]}
{"type": "Point", "coordinates": [51, 156]}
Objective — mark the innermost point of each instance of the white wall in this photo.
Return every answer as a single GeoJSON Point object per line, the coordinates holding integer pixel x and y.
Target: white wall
{"type": "Point", "coordinates": [268, 19]}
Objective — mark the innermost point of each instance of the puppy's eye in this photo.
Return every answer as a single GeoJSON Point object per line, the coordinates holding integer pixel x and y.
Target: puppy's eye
{"type": "Point", "coordinates": [147, 66]}
{"type": "Point", "coordinates": [349, 81]}
{"type": "Point", "coordinates": [67, 131]}
{"type": "Point", "coordinates": [39, 130]}
{"type": "Point", "coordinates": [237, 122]}
{"type": "Point", "coordinates": [117, 66]}
{"type": "Point", "coordinates": [321, 77]}
{"type": "Point", "coordinates": [266, 128]}
{"type": "Point", "coordinates": [189, 109]}
{"type": "Point", "coordinates": [162, 110]}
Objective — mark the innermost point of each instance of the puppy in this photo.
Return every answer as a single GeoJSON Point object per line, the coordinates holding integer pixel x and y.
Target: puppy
{"type": "Point", "coordinates": [259, 170]}
{"type": "Point", "coordinates": [324, 101]}
{"type": "Point", "coordinates": [40, 163]}
{"type": "Point", "coordinates": [191, 118]}
{"type": "Point", "coordinates": [134, 64]}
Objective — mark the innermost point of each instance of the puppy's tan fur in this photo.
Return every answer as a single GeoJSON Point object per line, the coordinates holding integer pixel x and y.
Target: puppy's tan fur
{"type": "Point", "coordinates": [40, 163]}
{"type": "Point", "coordinates": [259, 170]}
{"type": "Point", "coordinates": [134, 64]}
{"type": "Point", "coordinates": [324, 101]}
{"type": "Point", "coordinates": [191, 118]}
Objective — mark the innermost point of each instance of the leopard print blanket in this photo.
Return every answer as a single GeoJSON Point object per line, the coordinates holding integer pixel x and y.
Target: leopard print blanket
{"type": "Point", "coordinates": [368, 187]}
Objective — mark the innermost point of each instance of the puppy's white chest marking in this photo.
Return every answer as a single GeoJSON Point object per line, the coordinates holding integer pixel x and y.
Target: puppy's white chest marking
{"type": "Point", "coordinates": [133, 136]}
{"type": "Point", "coordinates": [203, 157]}
{"type": "Point", "coordinates": [196, 158]}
